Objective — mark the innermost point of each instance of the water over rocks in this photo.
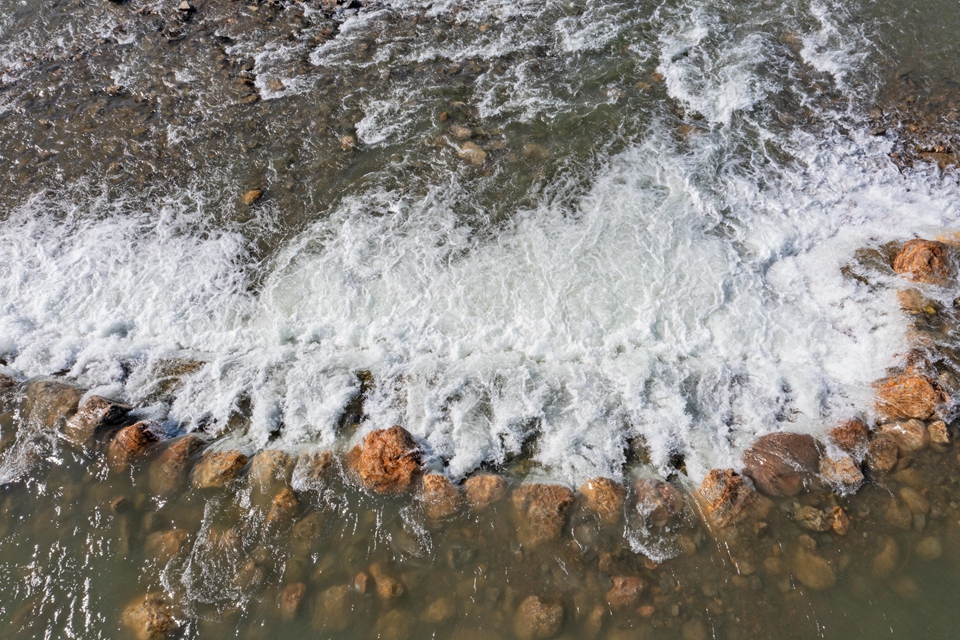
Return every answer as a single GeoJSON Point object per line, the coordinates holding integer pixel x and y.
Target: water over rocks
{"type": "Point", "coordinates": [537, 620]}
{"type": "Point", "coordinates": [149, 618]}
{"type": "Point", "coordinates": [216, 469]}
{"type": "Point", "coordinates": [388, 462]}
{"type": "Point", "coordinates": [908, 396]}
{"type": "Point", "coordinates": [605, 498]}
{"type": "Point", "coordinates": [781, 464]}
{"type": "Point", "coordinates": [540, 511]}
{"type": "Point", "coordinates": [93, 417]}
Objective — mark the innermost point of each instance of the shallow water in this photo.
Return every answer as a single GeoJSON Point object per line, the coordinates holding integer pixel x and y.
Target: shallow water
{"type": "Point", "coordinates": [658, 245]}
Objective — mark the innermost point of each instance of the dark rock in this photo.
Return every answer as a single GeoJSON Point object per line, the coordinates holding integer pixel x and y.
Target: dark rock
{"type": "Point", "coordinates": [333, 610]}
{"type": "Point", "coordinates": [852, 437]}
{"type": "Point", "coordinates": [780, 464]}
{"type": "Point", "coordinates": [537, 620]}
{"type": "Point", "coordinates": [282, 509]}
{"type": "Point", "coordinates": [47, 403]}
{"type": "Point", "coordinates": [625, 592]}
{"type": "Point", "coordinates": [604, 497]}
{"type": "Point", "coordinates": [217, 468]}
{"type": "Point", "coordinates": [165, 544]}
{"type": "Point", "coordinates": [541, 511]}
{"type": "Point", "coordinates": [910, 435]}
{"type": "Point", "coordinates": [290, 598]}
{"type": "Point", "coordinates": [389, 460]}
{"type": "Point", "coordinates": [130, 443]}
{"type": "Point", "coordinates": [149, 618]}
{"type": "Point", "coordinates": [882, 454]}
{"type": "Point", "coordinates": [726, 498]}
{"type": "Point", "coordinates": [170, 468]}
{"type": "Point", "coordinates": [94, 417]}
{"type": "Point", "coordinates": [924, 261]}
{"type": "Point", "coordinates": [656, 501]}
{"type": "Point", "coordinates": [908, 396]}
{"type": "Point", "coordinates": [484, 489]}
{"type": "Point", "coordinates": [440, 498]}
{"type": "Point", "coordinates": [388, 587]}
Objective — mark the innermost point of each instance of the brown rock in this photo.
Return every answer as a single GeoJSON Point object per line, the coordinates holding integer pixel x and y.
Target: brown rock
{"type": "Point", "coordinates": [165, 544]}
{"type": "Point", "coordinates": [938, 432]}
{"type": "Point", "coordinates": [924, 261]}
{"type": "Point", "coordinates": [914, 302]}
{"type": "Point", "coordinates": [898, 515]}
{"type": "Point", "coordinates": [251, 196]}
{"type": "Point", "coordinates": [625, 592]}
{"type": "Point", "coordinates": [170, 468]}
{"type": "Point", "coordinates": [604, 497]}
{"type": "Point", "coordinates": [910, 435]}
{"type": "Point", "coordinates": [852, 437]}
{"type": "Point", "coordinates": [541, 511]}
{"type": "Point", "coordinates": [886, 561]}
{"type": "Point", "coordinates": [217, 468]}
{"type": "Point", "coordinates": [780, 464]}
{"type": "Point", "coordinates": [395, 624]}
{"type": "Point", "coordinates": [473, 154]}
{"type": "Point", "coordinates": [333, 609]}
{"type": "Point", "coordinates": [657, 501]}
{"type": "Point", "coordinates": [149, 618]}
{"type": "Point", "coordinates": [882, 454]}
{"type": "Point", "coordinates": [439, 611]}
{"type": "Point", "coordinates": [388, 587]}
{"type": "Point", "coordinates": [839, 521]}
{"type": "Point", "coordinates": [95, 416]}
{"type": "Point", "coordinates": [726, 498]}
{"type": "Point", "coordinates": [812, 570]}
{"type": "Point", "coordinates": [361, 583]}
{"type": "Point", "coordinates": [282, 509]}
{"type": "Point", "coordinates": [130, 443]}
{"type": "Point", "coordinates": [290, 598]}
{"type": "Point", "coordinates": [812, 518]}
{"type": "Point", "coordinates": [915, 501]}
{"type": "Point", "coordinates": [536, 620]}
{"type": "Point", "coordinates": [484, 489]}
{"type": "Point", "coordinates": [389, 460]}
{"type": "Point", "coordinates": [313, 468]}
{"type": "Point", "coordinates": [908, 396]}
{"type": "Point", "coordinates": [440, 498]}
{"type": "Point", "coordinates": [929, 548]}
{"type": "Point", "coordinates": [270, 469]}
{"type": "Point", "coordinates": [47, 403]}
{"type": "Point", "coordinates": [842, 473]}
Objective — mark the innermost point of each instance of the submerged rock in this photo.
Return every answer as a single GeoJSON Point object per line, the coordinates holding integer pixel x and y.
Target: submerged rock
{"type": "Point", "coordinates": [170, 468]}
{"type": "Point", "coordinates": [283, 508]}
{"type": "Point", "coordinates": [439, 611]}
{"type": "Point", "coordinates": [290, 599]}
{"type": "Point", "coordinates": [851, 436]}
{"type": "Point", "coordinates": [251, 196]}
{"type": "Point", "coordinates": [882, 454]}
{"type": "Point", "coordinates": [915, 501]}
{"type": "Point", "coordinates": [388, 587]}
{"type": "Point", "coordinates": [929, 548]}
{"type": "Point", "coordinates": [657, 501]}
{"type": "Point", "coordinates": [812, 518]}
{"type": "Point", "coordinates": [389, 460]}
{"type": "Point", "coordinates": [472, 153]}
{"type": "Point", "coordinates": [780, 464]}
{"type": "Point", "coordinates": [886, 561]}
{"type": "Point", "coordinates": [47, 403]}
{"type": "Point", "coordinates": [839, 521]}
{"type": "Point", "coordinates": [313, 468]}
{"type": "Point", "coordinates": [604, 497]}
{"type": "Point", "coordinates": [625, 592]}
{"type": "Point", "coordinates": [131, 443]}
{"type": "Point", "coordinates": [924, 261]}
{"type": "Point", "coordinates": [537, 620]}
{"type": "Point", "coordinates": [541, 511]}
{"type": "Point", "coordinates": [908, 396]}
{"type": "Point", "coordinates": [812, 570]}
{"type": "Point", "coordinates": [333, 609]}
{"type": "Point", "coordinates": [842, 473]}
{"type": "Point", "coordinates": [726, 497]}
{"type": "Point", "coordinates": [938, 432]}
{"type": "Point", "coordinates": [269, 469]}
{"type": "Point", "coordinates": [165, 544]}
{"type": "Point", "coordinates": [910, 435]}
{"type": "Point", "coordinates": [149, 618]}
{"type": "Point", "coordinates": [395, 624]}
{"type": "Point", "coordinates": [95, 416]}
{"type": "Point", "coordinates": [484, 489]}
{"type": "Point", "coordinates": [217, 468]}
{"type": "Point", "coordinates": [440, 498]}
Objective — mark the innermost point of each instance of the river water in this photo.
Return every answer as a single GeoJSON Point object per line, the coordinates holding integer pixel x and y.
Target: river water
{"type": "Point", "coordinates": [538, 235]}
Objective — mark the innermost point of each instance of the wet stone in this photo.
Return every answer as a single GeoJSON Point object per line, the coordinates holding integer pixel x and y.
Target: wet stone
{"type": "Point", "coordinates": [929, 548]}
{"type": "Point", "coordinates": [924, 261]}
{"type": "Point", "coordinates": [312, 469]}
{"type": "Point", "coordinates": [251, 196]}
{"type": "Point", "coordinates": [290, 599]}
{"type": "Point", "coordinates": [882, 454]}
{"type": "Point", "coordinates": [657, 502]}
{"type": "Point", "coordinates": [908, 396]}
{"type": "Point", "coordinates": [165, 544]}
{"type": "Point", "coordinates": [852, 437]}
{"type": "Point", "coordinates": [216, 469]}
{"type": "Point", "coordinates": [395, 624]}
{"type": "Point", "coordinates": [811, 518]}
{"type": "Point", "coordinates": [439, 611]}
{"type": "Point", "coordinates": [812, 570]}
{"type": "Point", "coordinates": [282, 509]}
{"type": "Point", "coordinates": [727, 499]}
{"type": "Point", "coordinates": [898, 515]}
{"type": "Point", "coordinates": [910, 435]}
{"type": "Point", "coordinates": [46, 403]}
{"type": "Point", "coordinates": [333, 609]}
{"type": "Point", "coordinates": [388, 587]}
{"type": "Point", "coordinates": [94, 416]}
{"type": "Point", "coordinates": [604, 498]}
{"type": "Point", "coordinates": [472, 153]}
{"type": "Point", "coordinates": [938, 432]}
{"type": "Point", "coordinates": [541, 511]}
{"type": "Point", "coordinates": [840, 521]}
{"type": "Point", "coordinates": [842, 473]}
{"type": "Point", "coordinates": [269, 469]}
{"type": "Point", "coordinates": [915, 501]}
{"type": "Point", "coordinates": [149, 618]}
{"type": "Point", "coordinates": [537, 620]}
{"type": "Point", "coordinates": [440, 498]}
{"type": "Point", "coordinates": [780, 464]}
{"type": "Point", "coordinates": [483, 490]}
{"type": "Point", "coordinates": [625, 592]}
{"type": "Point", "coordinates": [885, 562]}
{"type": "Point", "coordinates": [130, 443]}
{"type": "Point", "coordinates": [389, 460]}
{"type": "Point", "coordinates": [170, 467]}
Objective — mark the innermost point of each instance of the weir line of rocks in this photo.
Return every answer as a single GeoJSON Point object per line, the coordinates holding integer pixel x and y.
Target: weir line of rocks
{"type": "Point", "coordinates": [912, 407]}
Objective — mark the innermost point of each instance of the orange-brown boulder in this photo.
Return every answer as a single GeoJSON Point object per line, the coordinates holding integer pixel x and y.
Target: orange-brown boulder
{"type": "Point", "coordinates": [604, 497]}
{"type": "Point", "coordinates": [726, 497]}
{"type": "Point", "coordinates": [388, 587]}
{"type": "Point", "coordinates": [924, 261]}
{"type": "Point", "coordinates": [290, 598]}
{"type": "Point", "coordinates": [910, 435]}
{"type": "Point", "coordinates": [841, 472]}
{"type": "Point", "coordinates": [656, 501]}
{"type": "Point", "coordinates": [440, 498]}
{"type": "Point", "coordinates": [851, 436]}
{"type": "Point", "coordinates": [282, 509]}
{"type": "Point", "coordinates": [48, 403]}
{"type": "Point", "coordinates": [389, 460]}
{"type": "Point", "coordinates": [908, 396]}
{"type": "Point", "coordinates": [149, 618]}
{"type": "Point", "coordinates": [130, 443]}
{"type": "Point", "coordinates": [170, 467]}
{"type": "Point", "coordinates": [269, 469]}
{"type": "Point", "coordinates": [94, 417]}
{"type": "Point", "coordinates": [484, 489]}
{"type": "Point", "coordinates": [780, 464]}
{"type": "Point", "coordinates": [537, 620]}
{"type": "Point", "coordinates": [541, 511]}
{"type": "Point", "coordinates": [625, 592]}
{"type": "Point", "coordinates": [216, 469]}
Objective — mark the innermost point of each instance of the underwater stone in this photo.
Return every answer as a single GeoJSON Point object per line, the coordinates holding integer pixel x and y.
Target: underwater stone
{"type": "Point", "coordinates": [882, 454]}
{"type": "Point", "coordinates": [625, 592]}
{"type": "Point", "coordinates": [484, 489]}
{"type": "Point", "coordinates": [541, 511]}
{"type": "Point", "coordinates": [536, 620]}
{"type": "Point", "coordinates": [290, 599]}
{"type": "Point", "coordinates": [886, 561]}
{"type": "Point", "coordinates": [440, 498]}
{"type": "Point", "coordinates": [282, 509]}
{"type": "Point", "coordinates": [604, 497]}
{"type": "Point", "coordinates": [165, 544]}
{"type": "Point", "coordinates": [812, 570]}
{"type": "Point", "coordinates": [388, 587]}
{"type": "Point", "coordinates": [910, 435]}
{"type": "Point", "coordinates": [94, 416]}
{"type": "Point", "coordinates": [938, 432]}
{"type": "Point", "coordinates": [333, 609]}
{"type": "Point", "coordinates": [171, 466]}
{"type": "Point", "coordinates": [915, 501]}
{"type": "Point", "coordinates": [780, 464]}
{"type": "Point", "coordinates": [842, 473]}
{"type": "Point", "coordinates": [130, 443]}
{"type": "Point", "coordinates": [727, 498]}
{"type": "Point", "coordinates": [439, 611]}
{"type": "Point", "coordinates": [46, 403]}
{"type": "Point", "coordinates": [929, 548]}
{"type": "Point", "coordinates": [217, 468]}
{"type": "Point", "coordinates": [149, 618]}
{"type": "Point", "coordinates": [270, 468]}
{"type": "Point", "coordinates": [657, 501]}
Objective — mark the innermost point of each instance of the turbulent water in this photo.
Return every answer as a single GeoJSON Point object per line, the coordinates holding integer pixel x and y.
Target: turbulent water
{"type": "Point", "coordinates": [655, 244]}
